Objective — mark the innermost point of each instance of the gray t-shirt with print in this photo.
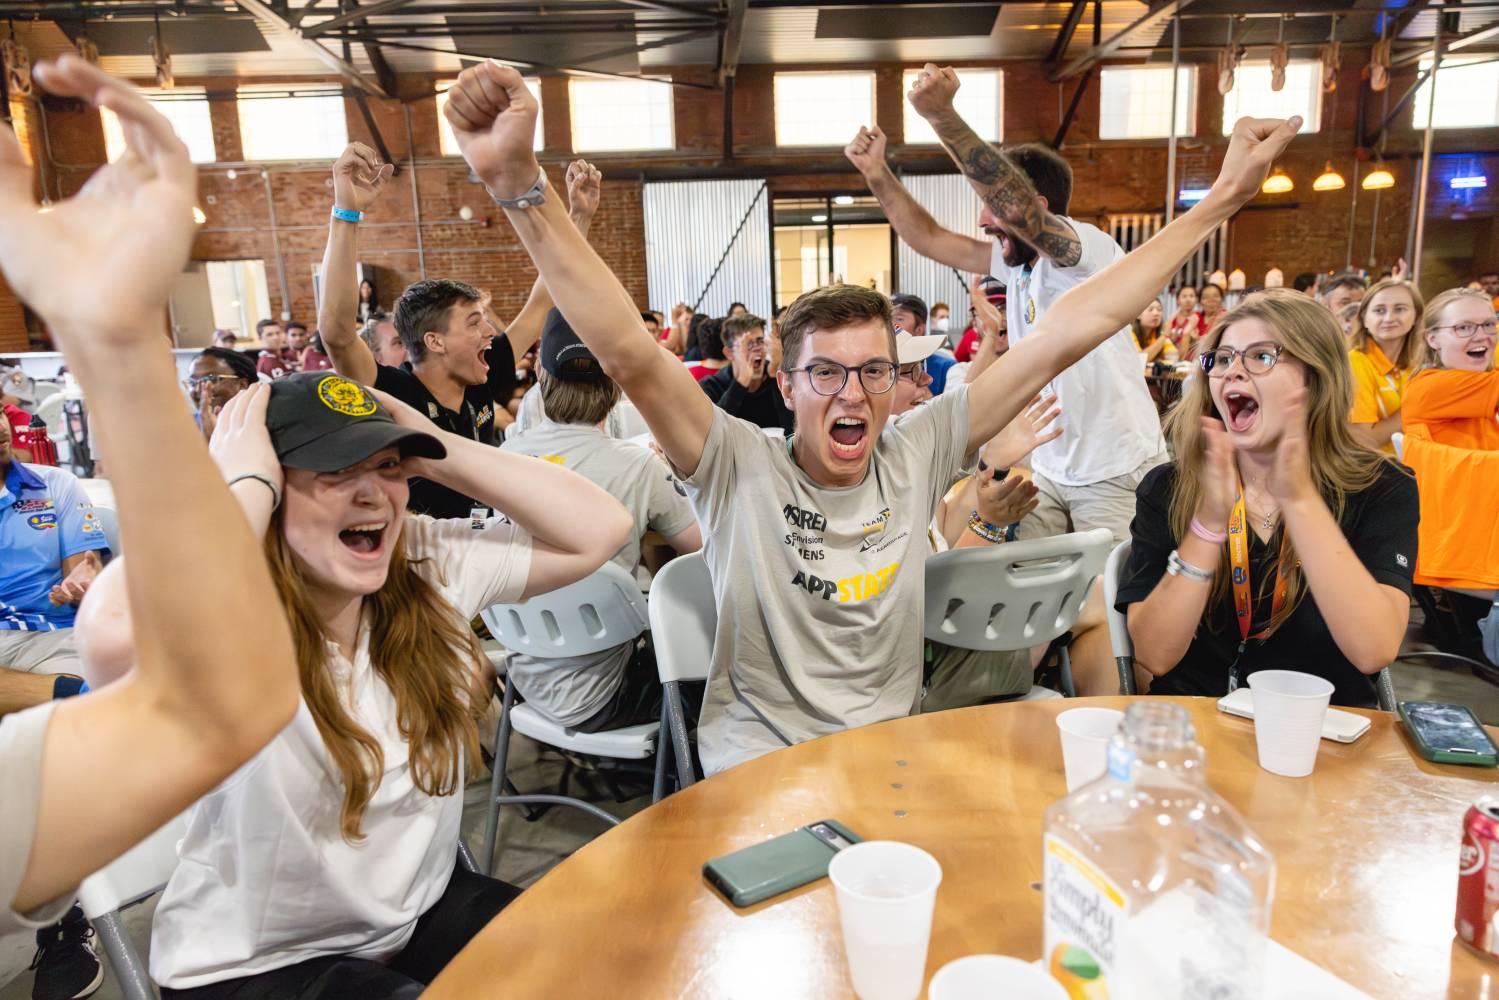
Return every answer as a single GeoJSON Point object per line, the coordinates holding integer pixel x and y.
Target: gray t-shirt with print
{"type": "Point", "coordinates": [819, 591]}
{"type": "Point", "coordinates": [571, 689]}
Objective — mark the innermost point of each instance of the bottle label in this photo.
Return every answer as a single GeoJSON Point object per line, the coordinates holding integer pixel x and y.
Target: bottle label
{"type": "Point", "coordinates": [1085, 916]}
{"type": "Point", "coordinates": [1121, 757]}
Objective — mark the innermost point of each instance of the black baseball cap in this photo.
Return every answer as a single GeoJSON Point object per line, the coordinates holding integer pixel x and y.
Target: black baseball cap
{"type": "Point", "coordinates": [564, 356]}
{"type": "Point", "coordinates": [324, 422]}
{"type": "Point", "coordinates": [911, 302]}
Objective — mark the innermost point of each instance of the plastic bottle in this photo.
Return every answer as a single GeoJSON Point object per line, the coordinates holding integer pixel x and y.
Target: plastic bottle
{"type": "Point", "coordinates": [1155, 887]}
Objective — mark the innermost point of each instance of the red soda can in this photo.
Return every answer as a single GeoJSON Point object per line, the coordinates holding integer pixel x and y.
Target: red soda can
{"type": "Point", "coordinates": [1478, 878]}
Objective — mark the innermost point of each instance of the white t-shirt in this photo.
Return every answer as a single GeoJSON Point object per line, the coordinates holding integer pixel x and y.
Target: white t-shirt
{"type": "Point", "coordinates": [265, 878]}
{"type": "Point", "coordinates": [23, 737]}
{"type": "Point", "coordinates": [1109, 423]}
{"type": "Point", "coordinates": [819, 590]}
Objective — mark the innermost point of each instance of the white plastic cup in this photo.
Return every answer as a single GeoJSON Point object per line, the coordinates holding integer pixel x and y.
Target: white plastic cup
{"type": "Point", "coordinates": [886, 891]}
{"type": "Point", "coordinates": [1085, 742]}
{"type": "Point", "coordinates": [1289, 707]}
{"type": "Point", "coordinates": [990, 977]}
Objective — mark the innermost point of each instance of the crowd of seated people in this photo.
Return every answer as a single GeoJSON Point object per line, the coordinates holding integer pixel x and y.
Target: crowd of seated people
{"type": "Point", "coordinates": [373, 484]}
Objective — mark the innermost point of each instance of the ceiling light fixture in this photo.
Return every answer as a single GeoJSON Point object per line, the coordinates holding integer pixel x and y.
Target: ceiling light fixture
{"type": "Point", "coordinates": [1277, 183]}
{"type": "Point", "coordinates": [1378, 179]}
{"type": "Point", "coordinates": [1329, 180]}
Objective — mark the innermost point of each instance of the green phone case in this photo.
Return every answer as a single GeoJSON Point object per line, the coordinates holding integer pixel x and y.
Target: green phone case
{"type": "Point", "coordinates": [757, 873]}
{"type": "Point", "coordinates": [1439, 731]}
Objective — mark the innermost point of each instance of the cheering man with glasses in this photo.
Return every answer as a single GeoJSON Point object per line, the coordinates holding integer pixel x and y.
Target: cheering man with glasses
{"type": "Point", "coordinates": [217, 376]}
{"type": "Point", "coordinates": [815, 544]}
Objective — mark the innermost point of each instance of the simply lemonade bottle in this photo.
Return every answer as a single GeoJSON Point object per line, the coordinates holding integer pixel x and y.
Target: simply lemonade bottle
{"type": "Point", "coordinates": [1155, 887]}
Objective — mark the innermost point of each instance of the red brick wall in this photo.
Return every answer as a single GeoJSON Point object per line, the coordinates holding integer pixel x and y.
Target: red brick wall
{"type": "Point", "coordinates": [1296, 232]}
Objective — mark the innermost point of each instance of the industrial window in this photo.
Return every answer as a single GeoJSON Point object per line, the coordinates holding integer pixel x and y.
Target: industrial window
{"type": "Point", "coordinates": [185, 107]}
{"type": "Point", "coordinates": [1467, 96]}
{"type": "Point", "coordinates": [980, 101]}
{"type": "Point", "coordinates": [616, 115]}
{"type": "Point", "coordinates": [1253, 98]}
{"type": "Point", "coordinates": [1135, 102]}
{"type": "Point", "coordinates": [291, 123]}
{"type": "Point", "coordinates": [822, 109]}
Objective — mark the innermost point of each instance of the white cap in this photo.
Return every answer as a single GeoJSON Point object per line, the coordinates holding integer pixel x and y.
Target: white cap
{"type": "Point", "coordinates": [909, 349]}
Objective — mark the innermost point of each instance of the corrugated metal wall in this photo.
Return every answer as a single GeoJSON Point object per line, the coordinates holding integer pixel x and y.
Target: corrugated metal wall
{"type": "Point", "coordinates": [1129, 231]}
{"type": "Point", "coordinates": [951, 201]}
{"type": "Point", "coordinates": [688, 225]}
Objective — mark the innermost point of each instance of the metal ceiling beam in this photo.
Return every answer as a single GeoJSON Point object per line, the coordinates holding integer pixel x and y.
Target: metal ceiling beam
{"type": "Point", "coordinates": [1064, 34]}
{"type": "Point", "coordinates": [1475, 37]}
{"type": "Point", "coordinates": [670, 8]}
{"type": "Point", "coordinates": [268, 17]}
{"type": "Point", "coordinates": [358, 14]}
{"type": "Point", "coordinates": [307, 8]}
{"type": "Point", "coordinates": [733, 40]}
{"type": "Point", "coordinates": [1077, 99]}
{"type": "Point", "coordinates": [529, 65]}
{"type": "Point", "coordinates": [1094, 55]}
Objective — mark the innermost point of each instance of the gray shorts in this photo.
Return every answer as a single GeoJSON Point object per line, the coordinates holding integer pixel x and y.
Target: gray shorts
{"type": "Point", "coordinates": [39, 652]}
{"type": "Point", "coordinates": [1107, 504]}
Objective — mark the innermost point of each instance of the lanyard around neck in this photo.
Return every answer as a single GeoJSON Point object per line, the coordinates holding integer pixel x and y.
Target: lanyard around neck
{"type": "Point", "coordinates": [1238, 555]}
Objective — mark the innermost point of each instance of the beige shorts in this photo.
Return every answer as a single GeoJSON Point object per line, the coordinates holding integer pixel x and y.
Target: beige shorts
{"type": "Point", "coordinates": [1107, 504]}
{"type": "Point", "coordinates": [39, 652]}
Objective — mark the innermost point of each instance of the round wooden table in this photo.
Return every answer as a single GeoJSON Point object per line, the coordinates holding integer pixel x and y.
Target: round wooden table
{"type": "Point", "coordinates": [1366, 850]}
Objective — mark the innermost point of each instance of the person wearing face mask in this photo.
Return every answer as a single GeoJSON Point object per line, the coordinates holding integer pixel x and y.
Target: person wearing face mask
{"type": "Point", "coordinates": [815, 545]}
{"type": "Point", "coordinates": [1381, 355]}
{"type": "Point", "coordinates": [1451, 418]}
{"type": "Point", "coordinates": [1276, 539]}
{"type": "Point", "coordinates": [327, 867]}
{"type": "Point", "coordinates": [941, 317]}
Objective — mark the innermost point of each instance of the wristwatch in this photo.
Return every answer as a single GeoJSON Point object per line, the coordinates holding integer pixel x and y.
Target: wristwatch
{"type": "Point", "coordinates": [533, 196]}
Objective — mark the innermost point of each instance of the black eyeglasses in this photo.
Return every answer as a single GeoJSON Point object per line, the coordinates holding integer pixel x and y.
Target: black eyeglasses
{"type": "Point", "coordinates": [1467, 331]}
{"type": "Point", "coordinates": [198, 381]}
{"type": "Point", "coordinates": [1258, 359]}
{"type": "Point", "coordinates": [829, 377]}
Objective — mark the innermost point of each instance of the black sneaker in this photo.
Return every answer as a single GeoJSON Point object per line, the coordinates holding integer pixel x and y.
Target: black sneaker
{"type": "Point", "coordinates": [66, 963]}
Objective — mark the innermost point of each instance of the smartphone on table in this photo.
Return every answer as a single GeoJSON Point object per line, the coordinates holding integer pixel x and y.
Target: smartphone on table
{"type": "Point", "coordinates": [1448, 734]}
{"type": "Point", "coordinates": [755, 874]}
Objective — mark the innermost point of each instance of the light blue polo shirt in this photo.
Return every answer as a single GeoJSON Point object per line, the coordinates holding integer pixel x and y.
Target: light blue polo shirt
{"type": "Point", "coordinates": [45, 517]}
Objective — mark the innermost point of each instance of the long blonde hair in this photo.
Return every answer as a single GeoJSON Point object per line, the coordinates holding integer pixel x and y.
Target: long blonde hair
{"type": "Point", "coordinates": [1340, 465]}
{"type": "Point", "coordinates": [1360, 337]}
{"type": "Point", "coordinates": [418, 645]}
{"type": "Point", "coordinates": [1426, 355]}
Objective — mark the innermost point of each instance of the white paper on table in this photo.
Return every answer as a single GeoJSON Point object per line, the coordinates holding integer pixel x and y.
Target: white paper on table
{"type": "Point", "coordinates": [1288, 976]}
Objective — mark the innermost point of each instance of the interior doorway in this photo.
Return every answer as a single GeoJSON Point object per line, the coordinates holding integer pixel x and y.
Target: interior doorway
{"type": "Point", "coordinates": [827, 239]}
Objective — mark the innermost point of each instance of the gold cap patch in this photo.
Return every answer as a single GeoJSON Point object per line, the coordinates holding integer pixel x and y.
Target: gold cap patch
{"type": "Point", "coordinates": [343, 396]}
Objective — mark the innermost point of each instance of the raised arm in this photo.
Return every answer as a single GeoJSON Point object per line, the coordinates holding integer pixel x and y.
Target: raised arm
{"type": "Point", "coordinates": [494, 118]}
{"type": "Point", "coordinates": [584, 185]}
{"type": "Point", "coordinates": [358, 177]}
{"type": "Point", "coordinates": [119, 762]}
{"type": "Point", "coordinates": [575, 525]}
{"type": "Point", "coordinates": [1002, 186]}
{"type": "Point", "coordinates": [1095, 310]}
{"type": "Point", "coordinates": [913, 223]}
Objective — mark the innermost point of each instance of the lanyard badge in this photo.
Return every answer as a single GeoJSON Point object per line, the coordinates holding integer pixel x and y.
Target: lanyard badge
{"type": "Point", "coordinates": [1238, 556]}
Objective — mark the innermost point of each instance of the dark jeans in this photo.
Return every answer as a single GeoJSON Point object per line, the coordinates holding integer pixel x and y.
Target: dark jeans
{"type": "Point", "coordinates": [638, 699]}
{"type": "Point", "coordinates": [469, 903]}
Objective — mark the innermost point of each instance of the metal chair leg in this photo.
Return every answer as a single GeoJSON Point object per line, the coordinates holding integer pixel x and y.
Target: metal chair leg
{"type": "Point", "coordinates": [127, 965]}
{"type": "Point", "coordinates": [466, 857]}
{"type": "Point", "coordinates": [497, 779]}
{"type": "Point", "coordinates": [1064, 662]}
{"type": "Point", "coordinates": [677, 723]}
{"type": "Point", "coordinates": [663, 739]}
{"type": "Point", "coordinates": [1126, 674]}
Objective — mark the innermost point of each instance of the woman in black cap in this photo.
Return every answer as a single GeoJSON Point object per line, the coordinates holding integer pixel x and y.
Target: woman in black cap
{"type": "Point", "coordinates": [326, 866]}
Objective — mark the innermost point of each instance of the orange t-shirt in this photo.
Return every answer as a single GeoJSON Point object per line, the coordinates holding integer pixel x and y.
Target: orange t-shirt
{"type": "Point", "coordinates": [1452, 445]}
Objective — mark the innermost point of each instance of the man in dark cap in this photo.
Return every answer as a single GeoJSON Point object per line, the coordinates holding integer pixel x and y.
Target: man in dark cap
{"type": "Point", "coordinates": [617, 687]}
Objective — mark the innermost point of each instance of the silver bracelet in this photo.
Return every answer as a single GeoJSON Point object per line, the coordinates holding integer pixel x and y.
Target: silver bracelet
{"type": "Point", "coordinates": [275, 493]}
{"type": "Point", "coordinates": [1177, 567]}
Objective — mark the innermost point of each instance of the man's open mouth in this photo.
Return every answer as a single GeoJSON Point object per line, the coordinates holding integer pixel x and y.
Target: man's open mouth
{"type": "Point", "coordinates": [848, 436]}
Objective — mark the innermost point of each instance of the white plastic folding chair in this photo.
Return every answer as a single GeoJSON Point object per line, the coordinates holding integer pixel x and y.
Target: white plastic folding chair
{"type": "Point", "coordinates": [683, 620]}
{"type": "Point", "coordinates": [1123, 645]}
{"type": "Point", "coordinates": [1013, 596]}
{"type": "Point", "coordinates": [597, 613]}
{"type": "Point", "coordinates": [109, 523]}
{"type": "Point", "coordinates": [132, 878]}
{"type": "Point", "coordinates": [1397, 441]}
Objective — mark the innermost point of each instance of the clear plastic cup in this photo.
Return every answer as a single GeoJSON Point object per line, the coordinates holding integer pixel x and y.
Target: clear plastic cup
{"type": "Point", "coordinates": [886, 891]}
{"type": "Point", "coordinates": [989, 977]}
{"type": "Point", "coordinates": [1085, 742]}
{"type": "Point", "coordinates": [1289, 707]}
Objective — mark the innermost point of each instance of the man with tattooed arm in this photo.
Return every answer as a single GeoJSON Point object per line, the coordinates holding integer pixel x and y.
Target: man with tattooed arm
{"type": "Point", "coordinates": [1112, 435]}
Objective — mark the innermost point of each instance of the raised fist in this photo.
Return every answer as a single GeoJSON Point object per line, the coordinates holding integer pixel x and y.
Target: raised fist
{"type": "Point", "coordinates": [867, 151]}
{"type": "Point", "coordinates": [358, 177]}
{"type": "Point", "coordinates": [933, 92]}
{"type": "Point", "coordinates": [493, 115]}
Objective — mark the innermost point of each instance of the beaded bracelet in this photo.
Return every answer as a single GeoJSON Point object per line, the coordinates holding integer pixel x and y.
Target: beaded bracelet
{"type": "Point", "coordinates": [991, 533]}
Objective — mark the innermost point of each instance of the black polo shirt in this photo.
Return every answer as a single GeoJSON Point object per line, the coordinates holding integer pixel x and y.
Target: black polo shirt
{"type": "Point", "coordinates": [1380, 524]}
{"type": "Point", "coordinates": [764, 407]}
{"type": "Point", "coordinates": [474, 420]}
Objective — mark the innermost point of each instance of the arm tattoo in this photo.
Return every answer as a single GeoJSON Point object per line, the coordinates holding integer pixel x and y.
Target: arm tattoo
{"type": "Point", "coordinates": [1009, 193]}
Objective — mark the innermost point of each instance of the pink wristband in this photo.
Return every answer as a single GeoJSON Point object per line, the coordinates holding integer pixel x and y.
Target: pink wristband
{"type": "Point", "coordinates": [1216, 537]}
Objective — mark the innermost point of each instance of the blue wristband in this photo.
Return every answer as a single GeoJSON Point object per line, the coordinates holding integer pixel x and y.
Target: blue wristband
{"type": "Point", "coordinates": [347, 214]}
